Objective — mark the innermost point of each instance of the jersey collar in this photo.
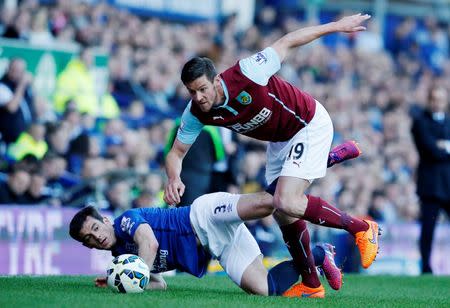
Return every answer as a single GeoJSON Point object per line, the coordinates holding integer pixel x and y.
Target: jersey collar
{"type": "Point", "coordinates": [225, 92]}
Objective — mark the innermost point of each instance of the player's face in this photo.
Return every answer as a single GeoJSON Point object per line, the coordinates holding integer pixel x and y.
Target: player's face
{"type": "Point", "coordinates": [98, 234]}
{"type": "Point", "coordinates": [203, 93]}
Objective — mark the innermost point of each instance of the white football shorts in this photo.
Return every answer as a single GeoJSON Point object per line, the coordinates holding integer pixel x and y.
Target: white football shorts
{"type": "Point", "coordinates": [222, 232]}
{"type": "Point", "coordinates": [305, 156]}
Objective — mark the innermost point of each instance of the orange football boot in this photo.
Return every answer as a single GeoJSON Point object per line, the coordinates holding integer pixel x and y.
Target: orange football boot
{"type": "Point", "coordinates": [367, 242]}
{"type": "Point", "coordinates": [300, 290]}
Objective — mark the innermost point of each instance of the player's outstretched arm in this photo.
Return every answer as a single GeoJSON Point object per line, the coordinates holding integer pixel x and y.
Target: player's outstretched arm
{"type": "Point", "coordinates": [147, 250]}
{"type": "Point", "coordinates": [174, 189]}
{"type": "Point", "coordinates": [305, 35]}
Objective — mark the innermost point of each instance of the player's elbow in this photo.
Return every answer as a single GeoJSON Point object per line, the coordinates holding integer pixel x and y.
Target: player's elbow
{"type": "Point", "coordinates": [289, 202]}
{"type": "Point", "coordinates": [281, 47]}
{"type": "Point", "coordinates": [153, 247]}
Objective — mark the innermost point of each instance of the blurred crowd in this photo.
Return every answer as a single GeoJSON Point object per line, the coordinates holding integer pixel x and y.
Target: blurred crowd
{"type": "Point", "coordinates": [80, 147]}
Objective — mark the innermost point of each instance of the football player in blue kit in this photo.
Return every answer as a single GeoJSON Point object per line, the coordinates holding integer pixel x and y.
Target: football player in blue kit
{"type": "Point", "coordinates": [187, 238]}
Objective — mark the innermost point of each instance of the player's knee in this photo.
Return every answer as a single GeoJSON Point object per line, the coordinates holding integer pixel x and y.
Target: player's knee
{"type": "Point", "coordinates": [261, 290]}
{"type": "Point", "coordinates": [254, 278]}
{"type": "Point", "coordinates": [290, 202]}
{"type": "Point", "coordinates": [256, 288]}
{"type": "Point", "coordinates": [302, 203]}
{"type": "Point", "coordinates": [282, 202]}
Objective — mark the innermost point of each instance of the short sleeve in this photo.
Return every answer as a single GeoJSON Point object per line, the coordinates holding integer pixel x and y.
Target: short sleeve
{"type": "Point", "coordinates": [129, 222]}
{"type": "Point", "coordinates": [190, 127]}
{"type": "Point", "coordinates": [261, 66]}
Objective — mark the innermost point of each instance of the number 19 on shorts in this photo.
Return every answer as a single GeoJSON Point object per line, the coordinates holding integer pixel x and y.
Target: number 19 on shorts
{"type": "Point", "coordinates": [296, 152]}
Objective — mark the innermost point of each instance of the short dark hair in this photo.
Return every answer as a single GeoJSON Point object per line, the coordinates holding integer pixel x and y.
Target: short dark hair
{"type": "Point", "coordinates": [78, 220]}
{"type": "Point", "coordinates": [196, 68]}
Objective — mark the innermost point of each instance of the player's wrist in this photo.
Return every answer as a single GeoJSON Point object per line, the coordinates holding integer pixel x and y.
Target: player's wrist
{"type": "Point", "coordinates": [173, 179]}
{"type": "Point", "coordinates": [330, 27]}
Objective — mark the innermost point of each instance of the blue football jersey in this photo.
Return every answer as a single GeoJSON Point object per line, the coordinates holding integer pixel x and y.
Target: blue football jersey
{"type": "Point", "coordinates": [178, 247]}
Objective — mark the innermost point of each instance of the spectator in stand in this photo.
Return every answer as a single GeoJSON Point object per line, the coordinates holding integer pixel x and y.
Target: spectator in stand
{"type": "Point", "coordinates": [108, 108]}
{"type": "Point", "coordinates": [404, 36]}
{"type": "Point", "coordinates": [252, 172]}
{"type": "Point", "coordinates": [118, 195]}
{"type": "Point", "coordinates": [44, 110]}
{"type": "Point", "coordinates": [37, 191]}
{"type": "Point", "coordinates": [77, 83]}
{"type": "Point", "coordinates": [39, 32]}
{"type": "Point", "coordinates": [16, 101]}
{"type": "Point", "coordinates": [135, 116]}
{"type": "Point", "coordinates": [58, 137]}
{"type": "Point", "coordinates": [431, 131]}
{"type": "Point", "coordinates": [19, 27]}
{"type": "Point", "coordinates": [7, 15]}
{"type": "Point", "coordinates": [30, 142]}
{"type": "Point", "coordinates": [143, 200]}
{"type": "Point", "coordinates": [178, 99]}
{"type": "Point", "coordinates": [123, 88]}
{"type": "Point", "coordinates": [370, 41]}
{"type": "Point", "coordinates": [157, 136]}
{"type": "Point", "coordinates": [82, 147]}
{"type": "Point", "coordinates": [13, 191]}
{"type": "Point", "coordinates": [72, 118]}
{"type": "Point", "coordinates": [114, 129]}
{"type": "Point", "coordinates": [155, 95]}
{"type": "Point", "coordinates": [91, 186]}
{"type": "Point", "coordinates": [58, 20]}
{"type": "Point", "coordinates": [54, 169]}
{"type": "Point", "coordinates": [382, 209]}
{"type": "Point", "coordinates": [151, 194]}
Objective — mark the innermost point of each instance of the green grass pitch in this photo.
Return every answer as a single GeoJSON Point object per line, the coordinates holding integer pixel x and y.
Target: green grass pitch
{"type": "Point", "coordinates": [218, 291]}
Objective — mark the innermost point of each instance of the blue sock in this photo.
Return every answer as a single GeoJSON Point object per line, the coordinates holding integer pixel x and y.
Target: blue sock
{"type": "Point", "coordinates": [281, 277]}
{"type": "Point", "coordinates": [319, 255]}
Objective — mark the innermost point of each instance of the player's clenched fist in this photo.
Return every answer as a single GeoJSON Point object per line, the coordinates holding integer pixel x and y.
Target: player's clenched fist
{"type": "Point", "coordinates": [174, 191]}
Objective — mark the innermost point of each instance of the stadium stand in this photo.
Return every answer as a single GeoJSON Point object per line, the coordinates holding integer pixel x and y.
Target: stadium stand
{"type": "Point", "coordinates": [370, 83]}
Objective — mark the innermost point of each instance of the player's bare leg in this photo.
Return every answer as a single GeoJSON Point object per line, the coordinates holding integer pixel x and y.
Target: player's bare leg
{"type": "Point", "coordinates": [254, 279]}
